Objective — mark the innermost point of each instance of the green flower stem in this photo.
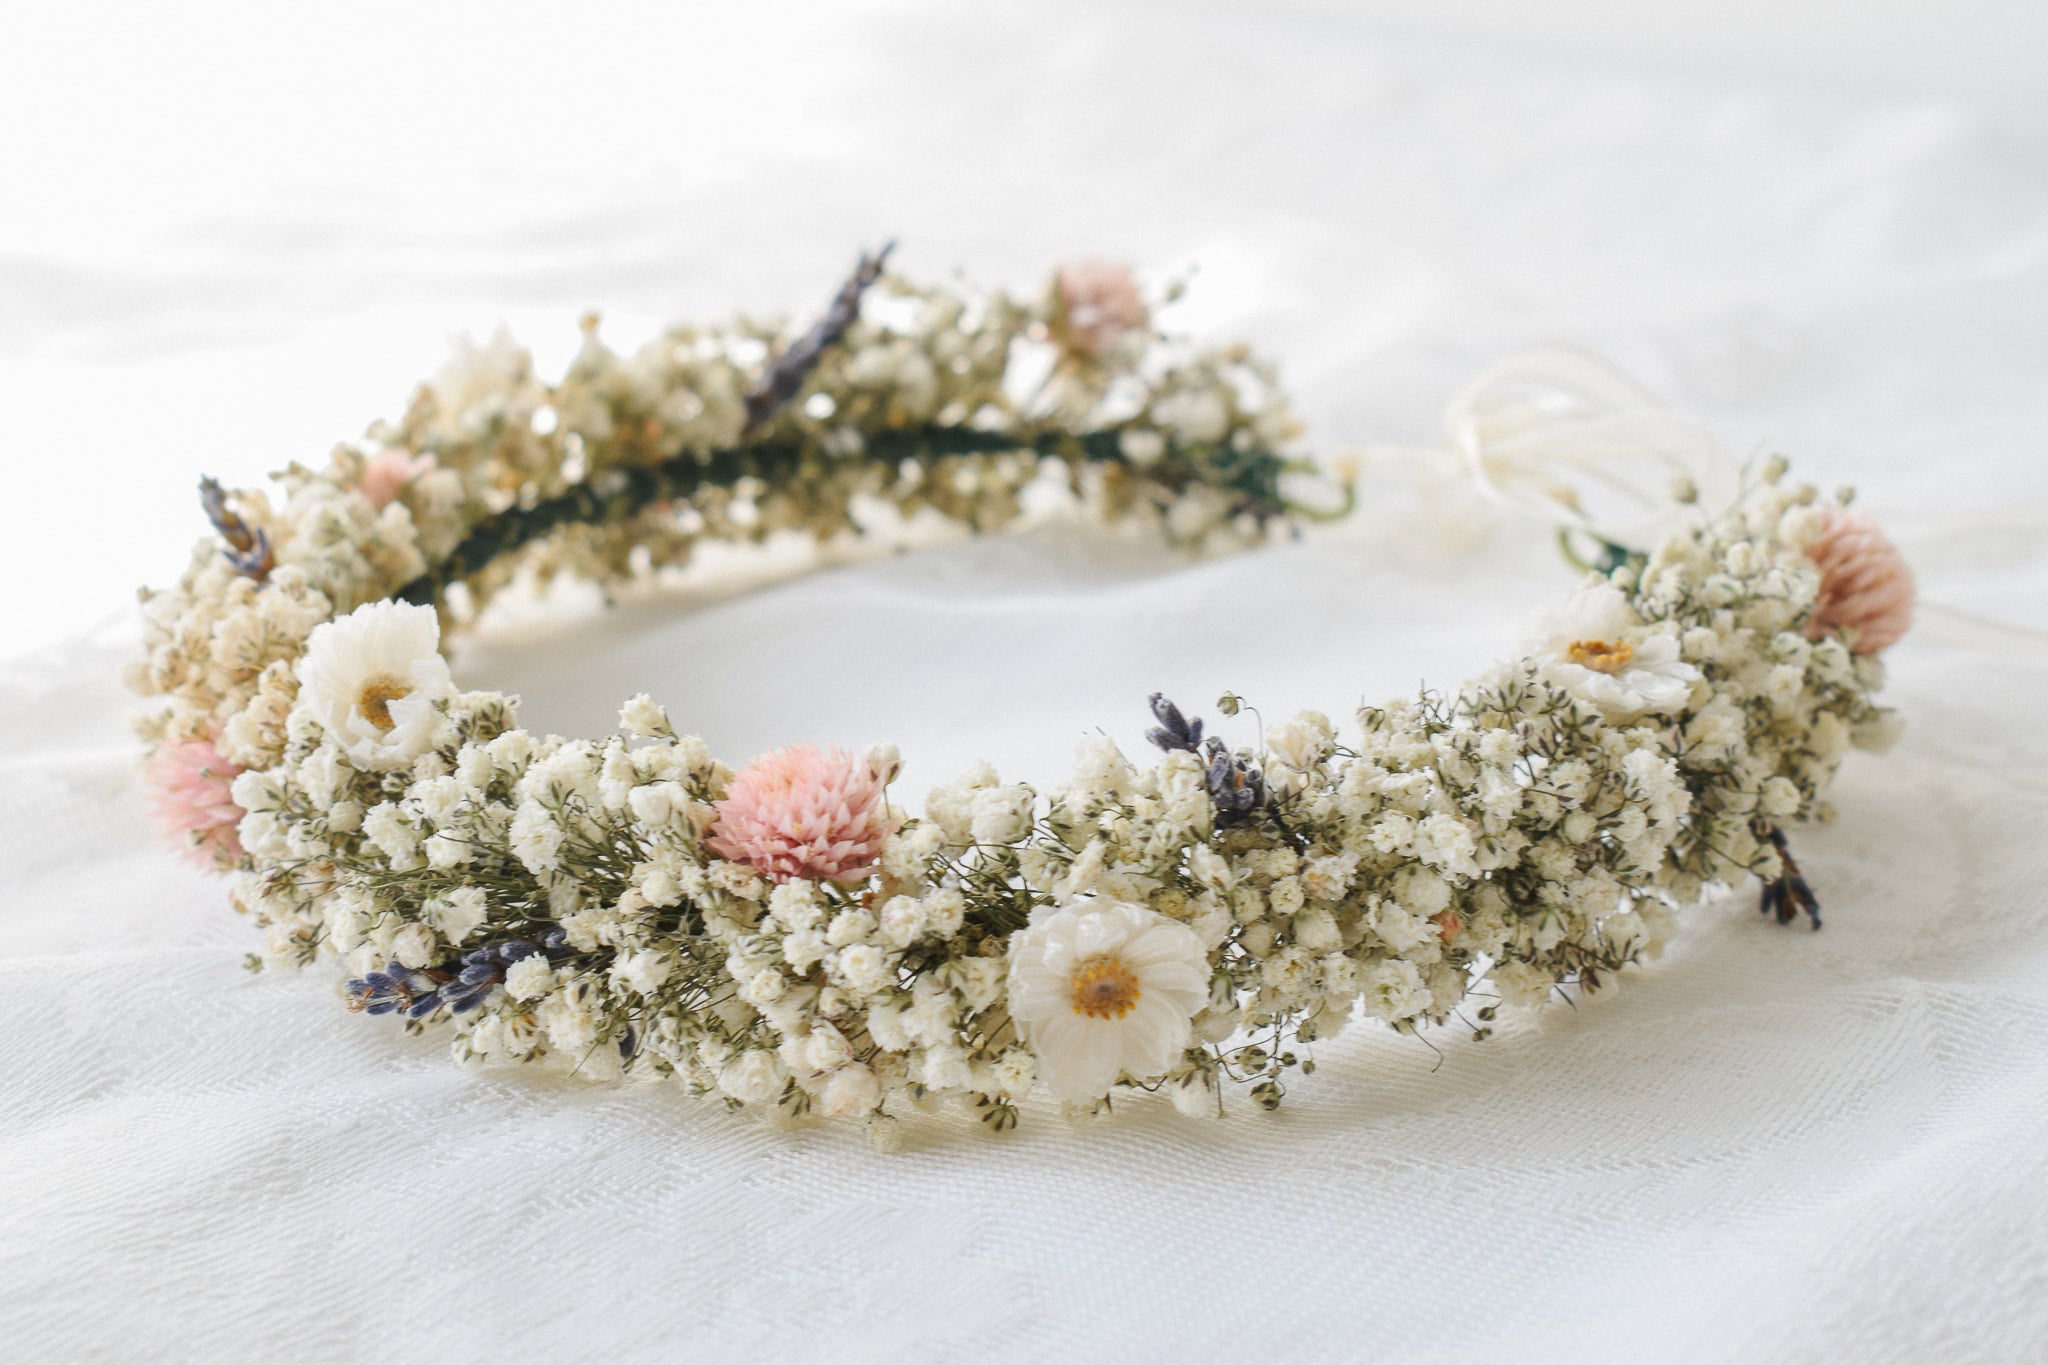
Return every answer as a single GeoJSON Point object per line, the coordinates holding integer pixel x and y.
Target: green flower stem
{"type": "Point", "coordinates": [618, 494]}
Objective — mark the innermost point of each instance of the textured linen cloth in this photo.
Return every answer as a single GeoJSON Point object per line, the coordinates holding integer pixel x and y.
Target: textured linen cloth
{"type": "Point", "coordinates": [1770, 1145]}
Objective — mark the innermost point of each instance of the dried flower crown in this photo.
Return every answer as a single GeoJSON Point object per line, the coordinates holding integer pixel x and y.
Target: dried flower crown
{"type": "Point", "coordinates": [782, 936]}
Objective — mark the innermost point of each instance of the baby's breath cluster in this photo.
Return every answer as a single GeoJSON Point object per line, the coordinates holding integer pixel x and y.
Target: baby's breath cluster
{"type": "Point", "coordinates": [784, 936]}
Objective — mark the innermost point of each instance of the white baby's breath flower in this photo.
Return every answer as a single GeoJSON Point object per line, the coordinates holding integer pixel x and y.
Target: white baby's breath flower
{"type": "Point", "coordinates": [1315, 930]}
{"type": "Point", "coordinates": [863, 967]}
{"type": "Point", "coordinates": [569, 1021]}
{"type": "Point", "coordinates": [1301, 742]}
{"type": "Point", "coordinates": [849, 926]}
{"type": "Point", "coordinates": [459, 913]}
{"type": "Point", "coordinates": [1015, 1071]}
{"type": "Point", "coordinates": [1001, 815]}
{"type": "Point", "coordinates": [643, 971]}
{"type": "Point", "coordinates": [529, 978]}
{"type": "Point", "coordinates": [903, 920]}
{"type": "Point", "coordinates": [447, 851]}
{"type": "Point", "coordinates": [372, 680]}
{"type": "Point", "coordinates": [1194, 1095]}
{"type": "Point", "coordinates": [1599, 650]}
{"type": "Point", "coordinates": [414, 946]}
{"type": "Point", "coordinates": [852, 1089]}
{"type": "Point", "coordinates": [479, 384]}
{"type": "Point", "coordinates": [753, 1077]}
{"type": "Point", "coordinates": [1444, 841]}
{"type": "Point", "coordinates": [1329, 876]}
{"type": "Point", "coordinates": [1100, 768]}
{"type": "Point", "coordinates": [1141, 447]}
{"type": "Point", "coordinates": [537, 837]}
{"type": "Point", "coordinates": [1523, 983]}
{"type": "Point", "coordinates": [906, 852]}
{"type": "Point", "coordinates": [1394, 990]}
{"type": "Point", "coordinates": [885, 761]}
{"type": "Point", "coordinates": [1103, 990]}
{"type": "Point", "coordinates": [944, 911]}
{"type": "Point", "coordinates": [643, 717]}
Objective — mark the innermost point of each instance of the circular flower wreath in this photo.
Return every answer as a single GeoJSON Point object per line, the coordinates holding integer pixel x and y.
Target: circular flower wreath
{"type": "Point", "coordinates": [783, 936]}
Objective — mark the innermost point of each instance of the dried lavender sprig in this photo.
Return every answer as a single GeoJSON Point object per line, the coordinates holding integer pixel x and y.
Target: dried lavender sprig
{"type": "Point", "coordinates": [785, 374]}
{"type": "Point", "coordinates": [1175, 732]}
{"type": "Point", "coordinates": [1789, 893]}
{"type": "Point", "coordinates": [1236, 787]}
{"type": "Point", "coordinates": [419, 992]}
{"type": "Point", "coordinates": [395, 988]}
{"type": "Point", "coordinates": [248, 546]}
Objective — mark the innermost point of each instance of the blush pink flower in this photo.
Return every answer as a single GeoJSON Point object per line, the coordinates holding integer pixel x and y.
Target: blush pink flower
{"type": "Point", "coordinates": [1102, 304]}
{"type": "Point", "coordinates": [387, 473]}
{"type": "Point", "coordinates": [188, 794]}
{"type": "Point", "coordinates": [1865, 586]}
{"type": "Point", "coordinates": [804, 812]}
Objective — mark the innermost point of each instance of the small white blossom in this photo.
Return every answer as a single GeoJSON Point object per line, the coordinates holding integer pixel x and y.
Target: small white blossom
{"type": "Point", "coordinates": [529, 978]}
{"type": "Point", "coordinates": [641, 716]}
{"type": "Point", "coordinates": [863, 967]}
{"type": "Point", "coordinates": [1303, 741]}
{"type": "Point", "coordinates": [459, 913]}
{"type": "Point", "coordinates": [852, 1089]}
{"type": "Point", "coordinates": [1209, 868]}
{"type": "Point", "coordinates": [569, 1021]}
{"type": "Point", "coordinates": [1522, 983]}
{"type": "Point", "coordinates": [753, 1077]}
{"type": "Point", "coordinates": [537, 838]}
{"type": "Point", "coordinates": [1194, 1094]}
{"type": "Point", "coordinates": [1394, 990]}
{"type": "Point", "coordinates": [1001, 815]}
{"type": "Point", "coordinates": [414, 946]}
{"type": "Point", "coordinates": [903, 920]}
{"type": "Point", "coordinates": [644, 971]}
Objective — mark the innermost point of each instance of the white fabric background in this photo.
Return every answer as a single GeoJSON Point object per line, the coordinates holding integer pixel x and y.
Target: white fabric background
{"type": "Point", "coordinates": [1772, 1145]}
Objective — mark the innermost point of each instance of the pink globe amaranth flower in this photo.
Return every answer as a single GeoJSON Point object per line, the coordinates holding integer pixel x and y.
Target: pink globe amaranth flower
{"type": "Point", "coordinates": [386, 474]}
{"type": "Point", "coordinates": [804, 812]}
{"type": "Point", "coordinates": [188, 794]}
{"type": "Point", "coordinates": [1865, 586]}
{"type": "Point", "coordinates": [1102, 304]}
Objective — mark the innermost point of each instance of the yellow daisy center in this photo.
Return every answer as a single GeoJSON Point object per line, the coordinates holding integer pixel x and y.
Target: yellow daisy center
{"type": "Point", "coordinates": [1105, 989]}
{"type": "Point", "coordinates": [373, 703]}
{"type": "Point", "coordinates": [1602, 656]}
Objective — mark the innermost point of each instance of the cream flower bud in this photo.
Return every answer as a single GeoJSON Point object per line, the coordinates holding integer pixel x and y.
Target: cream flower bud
{"type": "Point", "coordinates": [852, 1089]}
{"type": "Point", "coordinates": [1209, 868]}
{"type": "Point", "coordinates": [1002, 815]}
{"type": "Point", "coordinates": [414, 946]}
{"type": "Point", "coordinates": [642, 717]}
{"type": "Point", "coordinates": [885, 761]}
{"type": "Point", "coordinates": [753, 1077]}
{"type": "Point", "coordinates": [459, 913]}
{"type": "Point", "coordinates": [529, 978]}
{"type": "Point", "coordinates": [1194, 1095]}
{"type": "Point", "coordinates": [1301, 742]}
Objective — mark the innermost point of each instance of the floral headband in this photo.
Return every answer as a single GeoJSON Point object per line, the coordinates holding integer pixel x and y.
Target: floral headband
{"type": "Point", "coordinates": [784, 937]}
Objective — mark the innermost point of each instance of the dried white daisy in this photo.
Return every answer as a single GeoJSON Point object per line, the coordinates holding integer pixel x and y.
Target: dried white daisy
{"type": "Point", "coordinates": [1598, 650]}
{"type": "Point", "coordinates": [372, 679]}
{"type": "Point", "coordinates": [1100, 990]}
